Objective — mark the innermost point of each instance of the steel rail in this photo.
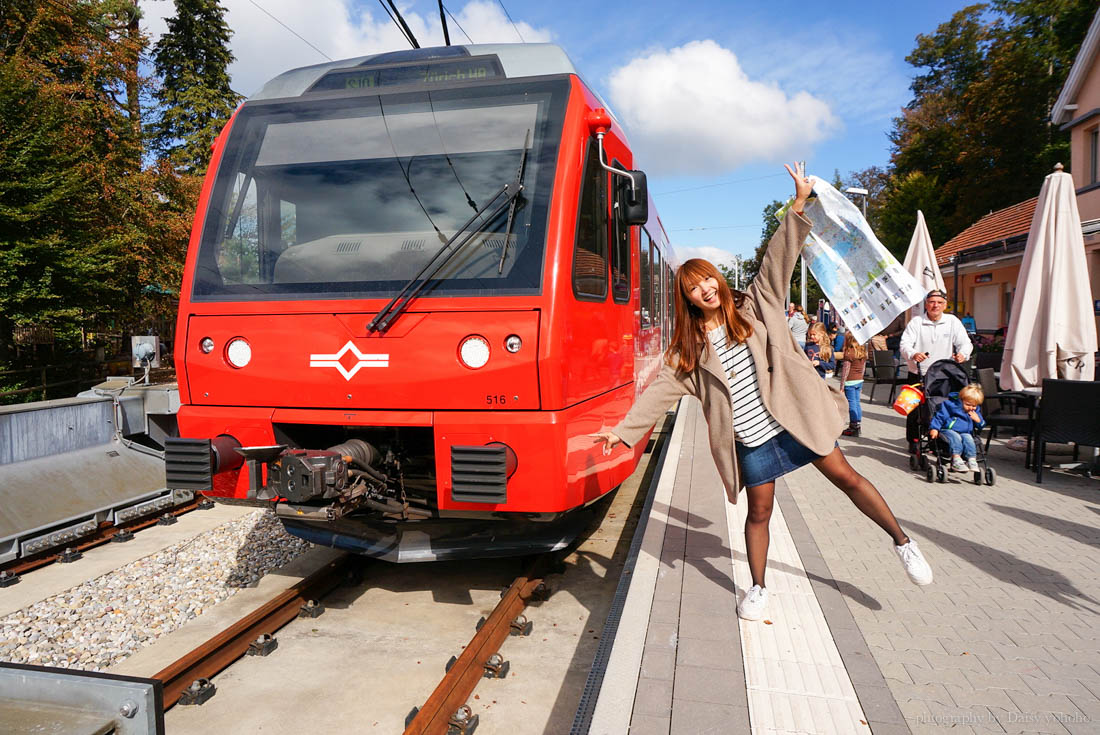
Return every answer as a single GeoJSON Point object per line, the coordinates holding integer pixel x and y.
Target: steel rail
{"type": "Point", "coordinates": [223, 649]}
{"type": "Point", "coordinates": [453, 692]}
{"type": "Point", "coordinates": [100, 536]}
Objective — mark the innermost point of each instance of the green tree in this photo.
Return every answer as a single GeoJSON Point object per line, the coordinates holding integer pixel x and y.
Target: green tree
{"type": "Point", "coordinates": [978, 121]}
{"type": "Point", "coordinates": [68, 155]}
{"type": "Point", "coordinates": [898, 215]}
{"type": "Point", "coordinates": [194, 97]}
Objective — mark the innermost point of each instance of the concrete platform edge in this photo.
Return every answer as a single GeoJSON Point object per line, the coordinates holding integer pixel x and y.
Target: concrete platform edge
{"type": "Point", "coordinates": [615, 702]}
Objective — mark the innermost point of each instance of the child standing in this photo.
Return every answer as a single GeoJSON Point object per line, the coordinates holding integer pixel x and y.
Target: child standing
{"type": "Point", "coordinates": [957, 419]}
{"type": "Point", "coordinates": [819, 348]}
{"type": "Point", "coordinates": [851, 374]}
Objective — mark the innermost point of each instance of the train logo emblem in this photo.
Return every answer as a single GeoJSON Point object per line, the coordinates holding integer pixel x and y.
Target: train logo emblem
{"type": "Point", "coordinates": [362, 361]}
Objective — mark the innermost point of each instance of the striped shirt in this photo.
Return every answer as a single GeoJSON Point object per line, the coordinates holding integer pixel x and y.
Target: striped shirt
{"type": "Point", "coordinates": [752, 424]}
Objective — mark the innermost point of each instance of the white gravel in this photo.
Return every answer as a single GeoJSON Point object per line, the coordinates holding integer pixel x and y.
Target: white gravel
{"type": "Point", "coordinates": [103, 621]}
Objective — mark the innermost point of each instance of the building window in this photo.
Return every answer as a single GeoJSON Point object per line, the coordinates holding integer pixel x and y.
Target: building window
{"type": "Point", "coordinates": [1094, 155]}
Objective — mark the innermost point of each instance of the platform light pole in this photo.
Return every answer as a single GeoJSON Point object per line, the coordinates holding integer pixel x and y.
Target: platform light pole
{"type": "Point", "coordinates": [863, 193]}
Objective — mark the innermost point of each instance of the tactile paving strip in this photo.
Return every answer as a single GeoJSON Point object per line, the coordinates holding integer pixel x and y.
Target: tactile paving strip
{"type": "Point", "coordinates": [796, 679]}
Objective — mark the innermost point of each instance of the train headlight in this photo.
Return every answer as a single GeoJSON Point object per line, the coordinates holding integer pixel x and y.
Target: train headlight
{"type": "Point", "coordinates": [512, 343]}
{"type": "Point", "coordinates": [474, 352]}
{"type": "Point", "coordinates": [206, 345]}
{"type": "Point", "coordinates": [238, 352]}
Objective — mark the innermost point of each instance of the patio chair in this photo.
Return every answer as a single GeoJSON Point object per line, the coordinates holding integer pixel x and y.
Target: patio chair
{"type": "Point", "coordinates": [1068, 413]}
{"type": "Point", "coordinates": [1006, 409]}
{"type": "Point", "coordinates": [884, 370]}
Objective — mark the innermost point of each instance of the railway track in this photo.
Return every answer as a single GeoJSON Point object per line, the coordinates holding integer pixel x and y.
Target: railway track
{"type": "Point", "coordinates": [11, 571]}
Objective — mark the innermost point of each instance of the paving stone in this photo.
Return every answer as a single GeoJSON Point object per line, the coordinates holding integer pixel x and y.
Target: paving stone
{"type": "Point", "coordinates": [998, 680]}
{"type": "Point", "coordinates": [658, 663]}
{"type": "Point", "coordinates": [716, 686]}
{"type": "Point", "coordinates": [653, 697]}
{"type": "Point", "coordinates": [965, 696]}
{"type": "Point", "coordinates": [695, 718]}
{"type": "Point", "coordinates": [641, 724]}
{"type": "Point", "coordinates": [661, 635]}
{"type": "Point", "coordinates": [725, 654]}
{"type": "Point", "coordinates": [1016, 721]}
{"type": "Point", "coordinates": [965, 661]}
{"type": "Point", "coordinates": [1072, 688]}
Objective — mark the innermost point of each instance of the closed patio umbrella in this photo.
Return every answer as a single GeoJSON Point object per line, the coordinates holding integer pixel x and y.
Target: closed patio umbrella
{"type": "Point", "coordinates": [920, 261]}
{"type": "Point", "coordinates": [1051, 332]}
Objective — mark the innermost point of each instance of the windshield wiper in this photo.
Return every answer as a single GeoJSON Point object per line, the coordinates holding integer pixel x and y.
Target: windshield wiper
{"type": "Point", "coordinates": [518, 187]}
{"type": "Point", "coordinates": [398, 303]}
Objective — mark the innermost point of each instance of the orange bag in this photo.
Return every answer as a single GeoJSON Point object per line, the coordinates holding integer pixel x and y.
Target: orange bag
{"type": "Point", "coordinates": [909, 398]}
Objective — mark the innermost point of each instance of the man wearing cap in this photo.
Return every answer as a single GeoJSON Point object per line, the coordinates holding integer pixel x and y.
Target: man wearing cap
{"type": "Point", "coordinates": [930, 337]}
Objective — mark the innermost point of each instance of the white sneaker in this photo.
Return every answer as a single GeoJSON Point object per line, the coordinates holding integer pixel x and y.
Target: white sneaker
{"type": "Point", "coordinates": [753, 604]}
{"type": "Point", "coordinates": [915, 566]}
{"type": "Point", "coordinates": [957, 465]}
{"type": "Point", "coordinates": [972, 464]}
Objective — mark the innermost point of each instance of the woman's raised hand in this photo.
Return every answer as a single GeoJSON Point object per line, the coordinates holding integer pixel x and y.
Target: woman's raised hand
{"type": "Point", "coordinates": [803, 186]}
{"type": "Point", "coordinates": [609, 440]}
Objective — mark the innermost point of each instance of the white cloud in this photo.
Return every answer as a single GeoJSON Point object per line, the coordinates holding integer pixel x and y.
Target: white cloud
{"type": "Point", "coordinates": [693, 110]}
{"type": "Point", "coordinates": [264, 48]}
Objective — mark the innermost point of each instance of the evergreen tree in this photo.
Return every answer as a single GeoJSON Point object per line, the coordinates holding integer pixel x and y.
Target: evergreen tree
{"type": "Point", "coordinates": [68, 156]}
{"type": "Point", "coordinates": [192, 60]}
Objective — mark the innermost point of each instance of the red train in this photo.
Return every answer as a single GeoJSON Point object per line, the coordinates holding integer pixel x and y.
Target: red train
{"type": "Point", "coordinates": [416, 282]}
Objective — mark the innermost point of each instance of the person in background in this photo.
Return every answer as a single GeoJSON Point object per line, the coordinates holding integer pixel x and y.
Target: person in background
{"type": "Point", "coordinates": [851, 375]}
{"type": "Point", "coordinates": [958, 419]}
{"type": "Point", "coordinates": [766, 413]}
{"type": "Point", "coordinates": [838, 339]}
{"type": "Point", "coordinates": [893, 332]}
{"type": "Point", "coordinates": [819, 348]}
{"type": "Point", "coordinates": [798, 324]}
{"type": "Point", "coordinates": [927, 338]}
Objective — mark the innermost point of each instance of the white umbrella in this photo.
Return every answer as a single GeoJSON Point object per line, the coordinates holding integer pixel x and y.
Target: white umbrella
{"type": "Point", "coordinates": [1052, 331]}
{"type": "Point", "coordinates": [920, 261]}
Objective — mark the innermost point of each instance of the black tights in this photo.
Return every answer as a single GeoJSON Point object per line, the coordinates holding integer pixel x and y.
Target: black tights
{"type": "Point", "coordinates": [835, 467]}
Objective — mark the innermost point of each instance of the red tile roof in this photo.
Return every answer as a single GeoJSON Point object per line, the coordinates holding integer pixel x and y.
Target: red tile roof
{"type": "Point", "coordinates": [1004, 223]}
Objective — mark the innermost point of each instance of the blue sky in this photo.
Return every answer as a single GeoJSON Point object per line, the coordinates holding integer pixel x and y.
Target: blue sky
{"type": "Point", "coordinates": [710, 92]}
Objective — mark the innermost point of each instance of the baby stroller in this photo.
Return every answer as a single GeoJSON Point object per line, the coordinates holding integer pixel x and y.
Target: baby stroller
{"type": "Point", "coordinates": [943, 381]}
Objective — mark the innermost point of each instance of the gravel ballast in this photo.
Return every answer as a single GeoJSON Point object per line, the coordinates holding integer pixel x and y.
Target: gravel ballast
{"type": "Point", "coordinates": [104, 620]}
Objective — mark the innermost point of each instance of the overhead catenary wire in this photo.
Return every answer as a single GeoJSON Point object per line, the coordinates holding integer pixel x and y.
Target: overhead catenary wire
{"type": "Point", "coordinates": [400, 28]}
{"type": "Point", "coordinates": [401, 20]}
{"type": "Point", "coordinates": [452, 17]}
{"type": "Point", "coordinates": [720, 183]}
{"type": "Point", "coordinates": [509, 16]}
{"type": "Point", "coordinates": [284, 25]}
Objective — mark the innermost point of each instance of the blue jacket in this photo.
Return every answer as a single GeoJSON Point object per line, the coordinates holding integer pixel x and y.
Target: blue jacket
{"type": "Point", "coordinates": [813, 351]}
{"type": "Point", "coordinates": [952, 416]}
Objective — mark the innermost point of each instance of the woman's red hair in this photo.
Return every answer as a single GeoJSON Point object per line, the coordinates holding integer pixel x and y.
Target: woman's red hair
{"type": "Point", "coordinates": [690, 337]}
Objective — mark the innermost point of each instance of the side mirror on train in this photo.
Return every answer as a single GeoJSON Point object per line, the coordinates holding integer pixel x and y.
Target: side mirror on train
{"type": "Point", "coordinates": [635, 195]}
{"type": "Point", "coordinates": [636, 199]}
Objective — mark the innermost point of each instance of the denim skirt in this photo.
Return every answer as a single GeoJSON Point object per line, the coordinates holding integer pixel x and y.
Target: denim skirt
{"type": "Point", "coordinates": [774, 458]}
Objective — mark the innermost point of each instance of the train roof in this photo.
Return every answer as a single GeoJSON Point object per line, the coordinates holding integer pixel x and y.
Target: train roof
{"type": "Point", "coordinates": [516, 60]}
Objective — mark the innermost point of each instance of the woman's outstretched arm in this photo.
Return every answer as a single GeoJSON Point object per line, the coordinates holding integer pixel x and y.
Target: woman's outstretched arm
{"type": "Point", "coordinates": [650, 406]}
{"type": "Point", "coordinates": [772, 282]}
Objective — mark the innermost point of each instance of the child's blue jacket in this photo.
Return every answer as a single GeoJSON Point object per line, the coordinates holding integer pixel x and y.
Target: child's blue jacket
{"type": "Point", "coordinates": [813, 351]}
{"type": "Point", "coordinates": [952, 416]}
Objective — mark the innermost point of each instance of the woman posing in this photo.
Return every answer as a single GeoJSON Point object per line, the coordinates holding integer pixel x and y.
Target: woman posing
{"type": "Point", "coordinates": [738, 348]}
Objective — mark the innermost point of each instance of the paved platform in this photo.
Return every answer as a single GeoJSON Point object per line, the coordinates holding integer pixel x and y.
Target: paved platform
{"type": "Point", "coordinates": [1007, 638]}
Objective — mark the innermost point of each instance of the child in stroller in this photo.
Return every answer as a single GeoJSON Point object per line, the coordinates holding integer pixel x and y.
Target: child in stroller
{"type": "Point", "coordinates": [959, 419]}
{"type": "Point", "coordinates": [946, 388]}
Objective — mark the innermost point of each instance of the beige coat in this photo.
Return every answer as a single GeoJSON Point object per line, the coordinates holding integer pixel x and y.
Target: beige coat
{"type": "Point", "coordinates": [811, 410]}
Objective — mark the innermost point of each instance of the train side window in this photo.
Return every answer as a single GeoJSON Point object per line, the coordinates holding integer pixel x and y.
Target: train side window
{"type": "Point", "coordinates": [620, 247]}
{"type": "Point", "coordinates": [590, 249]}
{"type": "Point", "coordinates": [670, 316]}
{"type": "Point", "coordinates": [239, 254]}
{"type": "Point", "coordinates": [646, 270]}
{"type": "Point", "coordinates": [658, 296]}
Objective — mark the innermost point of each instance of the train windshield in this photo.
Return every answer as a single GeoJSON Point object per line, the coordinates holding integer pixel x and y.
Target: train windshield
{"type": "Point", "coordinates": [351, 196]}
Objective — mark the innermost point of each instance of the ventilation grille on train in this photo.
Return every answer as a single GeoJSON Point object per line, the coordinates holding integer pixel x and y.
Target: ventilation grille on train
{"type": "Point", "coordinates": [478, 475]}
{"type": "Point", "coordinates": [348, 246]}
{"type": "Point", "coordinates": [412, 245]}
{"type": "Point", "coordinates": [187, 464]}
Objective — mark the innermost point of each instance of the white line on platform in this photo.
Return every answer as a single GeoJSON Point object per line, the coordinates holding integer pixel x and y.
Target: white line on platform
{"type": "Point", "coordinates": [795, 676]}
